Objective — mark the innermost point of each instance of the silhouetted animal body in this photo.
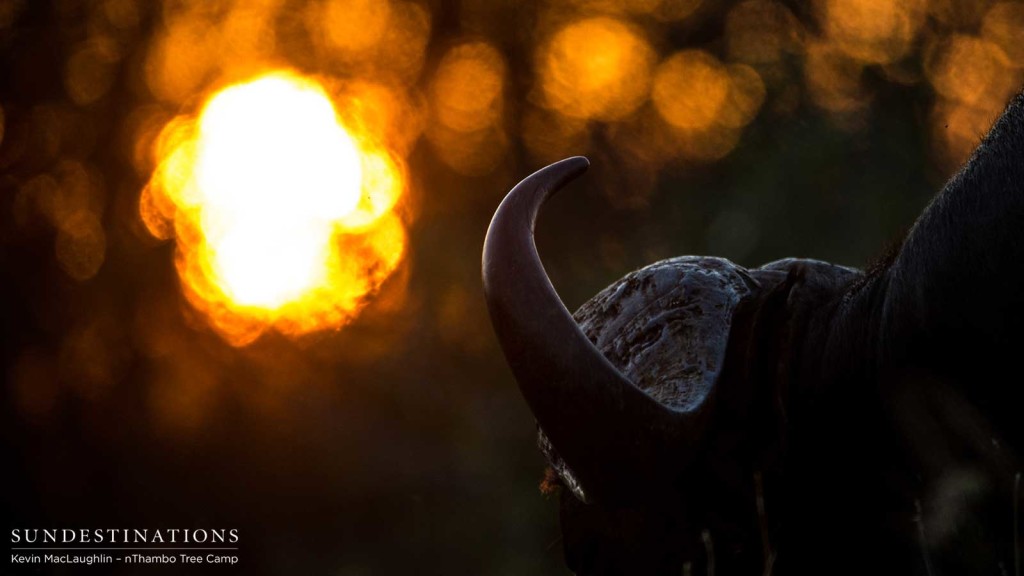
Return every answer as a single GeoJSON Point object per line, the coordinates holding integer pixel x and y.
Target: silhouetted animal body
{"type": "Point", "coordinates": [796, 418]}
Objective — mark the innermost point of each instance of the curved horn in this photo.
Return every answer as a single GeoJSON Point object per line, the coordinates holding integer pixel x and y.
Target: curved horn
{"type": "Point", "coordinates": [612, 435]}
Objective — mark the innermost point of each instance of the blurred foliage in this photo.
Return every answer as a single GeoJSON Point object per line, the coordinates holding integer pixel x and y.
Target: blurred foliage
{"type": "Point", "coordinates": [753, 130]}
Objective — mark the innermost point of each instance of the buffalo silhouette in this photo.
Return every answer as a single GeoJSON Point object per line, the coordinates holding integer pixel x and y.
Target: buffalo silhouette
{"type": "Point", "coordinates": [796, 418]}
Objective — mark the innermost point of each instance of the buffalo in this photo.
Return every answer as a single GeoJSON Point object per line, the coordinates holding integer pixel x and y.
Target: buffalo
{"type": "Point", "coordinates": [801, 417]}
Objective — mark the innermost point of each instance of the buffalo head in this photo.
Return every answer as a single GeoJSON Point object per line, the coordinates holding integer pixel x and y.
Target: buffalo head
{"type": "Point", "coordinates": [800, 417]}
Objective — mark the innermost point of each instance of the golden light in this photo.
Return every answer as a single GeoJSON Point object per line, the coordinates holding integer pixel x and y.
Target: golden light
{"type": "Point", "coordinates": [874, 31]}
{"type": "Point", "coordinates": [705, 103]}
{"type": "Point", "coordinates": [691, 88]}
{"type": "Point", "coordinates": [666, 10]}
{"type": "Point", "coordinates": [388, 111]}
{"type": "Point", "coordinates": [467, 106]}
{"type": "Point", "coordinates": [89, 72]}
{"type": "Point", "coordinates": [958, 130]}
{"type": "Point", "coordinates": [467, 89]}
{"type": "Point", "coordinates": [957, 14]}
{"type": "Point", "coordinates": [355, 25]}
{"type": "Point", "coordinates": [597, 68]}
{"type": "Point", "coordinates": [180, 56]}
{"type": "Point", "coordinates": [746, 95]}
{"type": "Point", "coordinates": [974, 78]}
{"type": "Point", "coordinates": [762, 31]}
{"type": "Point", "coordinates": [972, 71]}
{"type": "Point", "coordinates": [1004, 26]}
{"type": "Point", "coordinates": [282, 213]}
{"type": "Point", "coordinates": [379, 39]}
{"type": "Point", "coordinates": [834, 78]}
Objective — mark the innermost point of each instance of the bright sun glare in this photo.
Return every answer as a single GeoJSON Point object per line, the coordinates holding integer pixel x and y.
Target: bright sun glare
{"type": "Point", "coordinates": [275, 170]}
{"type": "Point", "coordinates": [283, 215]}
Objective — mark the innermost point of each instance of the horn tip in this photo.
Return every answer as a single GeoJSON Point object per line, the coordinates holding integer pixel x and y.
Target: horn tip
{"type": "Point", "coordinates": [579, 163]}
{"type": "Point", "coordinates": [558, 174]}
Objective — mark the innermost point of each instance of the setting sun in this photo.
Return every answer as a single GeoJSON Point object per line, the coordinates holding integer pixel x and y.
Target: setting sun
{"type": "Point", "coordinates": [275, 170]}
{"type": "Point", "coordinates": [280, 211]}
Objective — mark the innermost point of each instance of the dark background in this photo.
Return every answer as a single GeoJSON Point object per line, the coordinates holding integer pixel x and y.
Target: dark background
{"type": "Point", "coordinates": [399, 443]}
